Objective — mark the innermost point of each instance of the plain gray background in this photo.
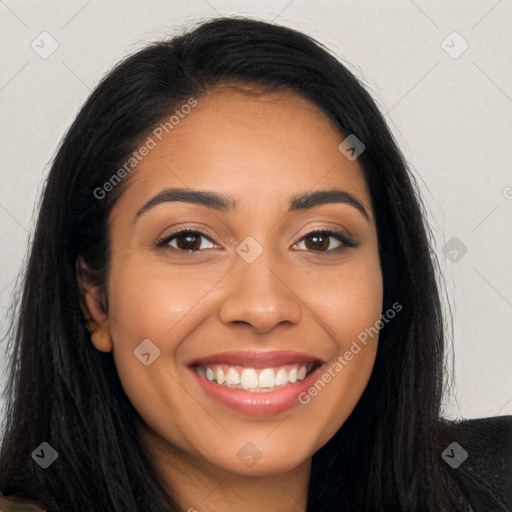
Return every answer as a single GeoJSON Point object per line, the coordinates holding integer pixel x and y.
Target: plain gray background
{"type": "Point", "coordinates": [450, 108]}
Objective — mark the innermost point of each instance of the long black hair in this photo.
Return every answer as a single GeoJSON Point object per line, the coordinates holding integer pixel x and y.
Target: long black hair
{"type": "Point", "coordinates": [61, 390]}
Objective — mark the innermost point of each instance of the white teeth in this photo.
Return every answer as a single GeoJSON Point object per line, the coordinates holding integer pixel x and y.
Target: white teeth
{"type": "Point", "coordinates": [232, 377]}
{"type": "Point", "coordinates": [219, 375]}
{"type": "Point", "coordinates": [249, 379]}
{"type": "Point", "coordinates": [281, 377]}
{"type": "Point", "coordinates": [266, 378]}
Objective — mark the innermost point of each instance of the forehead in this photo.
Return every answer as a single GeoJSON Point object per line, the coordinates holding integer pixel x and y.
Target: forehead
{"type": "Point", "coordinates": [252, 143]}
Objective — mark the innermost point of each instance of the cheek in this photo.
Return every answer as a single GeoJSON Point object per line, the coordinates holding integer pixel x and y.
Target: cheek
{"type": "Point", "coordinates": [348, 305]}
{"type": "Point", "coordinates": [150, 300]}
{"type": "Point", "coordinates": [346, 300]}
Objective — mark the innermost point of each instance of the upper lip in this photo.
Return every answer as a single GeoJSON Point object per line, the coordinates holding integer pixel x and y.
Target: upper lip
{"type": "Point", "coordinates": [256, 359]}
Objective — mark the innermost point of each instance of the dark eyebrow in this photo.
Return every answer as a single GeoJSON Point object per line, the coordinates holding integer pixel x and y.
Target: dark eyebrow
{"type": "Point", "coordinates": [224, 203]}
{"type": "Point", "coordinates": [319, 197]}
{"type": "Point", "coordinates": [205, 198]}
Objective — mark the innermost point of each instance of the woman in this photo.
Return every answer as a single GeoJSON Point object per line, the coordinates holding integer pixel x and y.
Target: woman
{"type": "Point", "coordinates": [231, 301]}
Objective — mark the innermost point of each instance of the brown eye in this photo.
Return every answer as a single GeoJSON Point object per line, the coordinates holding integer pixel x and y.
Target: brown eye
{"type": "Point", "coordinates": [186, 241]}
{"type": "Point", "coordinates": [317, 242]}
{"type": "Point", "coordinates": [322, 241]}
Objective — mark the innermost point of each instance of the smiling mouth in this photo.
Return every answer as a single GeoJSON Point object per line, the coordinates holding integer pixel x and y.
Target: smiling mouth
{"type": "Point", "coordinates": [256, 379]}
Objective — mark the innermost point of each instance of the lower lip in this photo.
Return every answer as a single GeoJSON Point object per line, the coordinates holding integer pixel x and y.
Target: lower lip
{"type": "Point", "coordinates": [258, 403]}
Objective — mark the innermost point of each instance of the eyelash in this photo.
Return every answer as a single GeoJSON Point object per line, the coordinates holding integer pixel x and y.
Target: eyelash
{"type": "Point", "coordinates": [346, 242]}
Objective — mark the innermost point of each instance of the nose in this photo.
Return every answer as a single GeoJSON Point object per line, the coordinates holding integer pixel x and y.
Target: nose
{"type": "Point", "coordinates": [257, 295]}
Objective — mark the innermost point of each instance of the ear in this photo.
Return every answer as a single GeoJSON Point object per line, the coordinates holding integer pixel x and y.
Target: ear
{"type": "Point", "coordinates": [92, 304]}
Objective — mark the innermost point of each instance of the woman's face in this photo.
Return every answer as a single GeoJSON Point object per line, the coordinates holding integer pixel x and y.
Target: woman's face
{"type": "Point", "coordinates": [253, 294]}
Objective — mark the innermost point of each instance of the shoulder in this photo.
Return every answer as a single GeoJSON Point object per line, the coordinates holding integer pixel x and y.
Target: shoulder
{"type": "Point", "coordinates": [16, 504]}
{"type": "Point", "coordinates": [479, 455]}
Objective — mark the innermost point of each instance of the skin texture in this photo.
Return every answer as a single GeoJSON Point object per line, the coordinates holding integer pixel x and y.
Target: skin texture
{"type": "Point", "coordinates": [259, 148]}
